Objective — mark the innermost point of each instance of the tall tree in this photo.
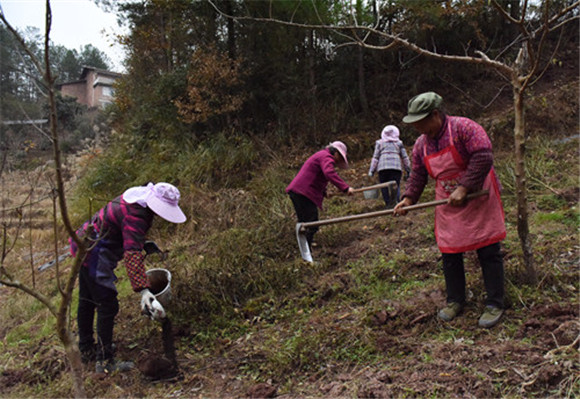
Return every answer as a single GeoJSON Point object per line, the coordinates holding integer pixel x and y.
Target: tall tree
{"type": "Point", "coordinates": [93, 57]}
{"type": "Point", "coordinates": [19, 89]}
{"type": "Point", "coordinates": [163, 35]}
{"type": "Point", "coordinates": [67, 63]}
{"type": "Point", "coordinates": [360, 15]}
{"type": "Point", "coordinates": [213, 88]}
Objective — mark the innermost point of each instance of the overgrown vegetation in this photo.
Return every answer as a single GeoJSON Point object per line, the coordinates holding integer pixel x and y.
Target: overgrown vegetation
{"type": "Point", "coordinates": [245, 305]}
{"type": "Point", "coordinates": [361, 322]}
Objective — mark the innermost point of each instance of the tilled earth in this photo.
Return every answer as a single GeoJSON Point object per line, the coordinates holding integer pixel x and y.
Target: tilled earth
{"type": "Point", "coordinates": [543, 360]}
{"type": "Point", "coordinates": [532, 352]}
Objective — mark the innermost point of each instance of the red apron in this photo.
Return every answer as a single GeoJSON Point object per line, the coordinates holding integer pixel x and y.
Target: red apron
{"type": "Point", "coordinates": [478, 223]}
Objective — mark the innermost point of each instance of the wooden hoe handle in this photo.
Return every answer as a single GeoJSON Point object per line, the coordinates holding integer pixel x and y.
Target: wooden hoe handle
{"type": "Point", "coordinates": [385, 212]}
{"type": "Point", "coordinates": [380, 185]}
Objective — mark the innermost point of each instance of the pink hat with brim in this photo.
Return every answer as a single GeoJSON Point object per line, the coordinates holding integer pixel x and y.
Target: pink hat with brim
{"type": "Point", "coordinates": [163, 200]}
{"type": "Point", "coordinates": [390, 133]}
{"type": "Point", "coordinates": [341, 147]}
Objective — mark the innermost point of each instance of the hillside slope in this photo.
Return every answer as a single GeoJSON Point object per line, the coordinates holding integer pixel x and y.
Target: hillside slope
{"type": "Point", "coordinates": [361, 321]}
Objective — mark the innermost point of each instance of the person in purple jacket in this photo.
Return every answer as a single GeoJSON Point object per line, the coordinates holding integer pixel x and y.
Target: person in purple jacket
{"type": "Point", "coordinates": [117, 231]}
{"type": "Point", "coordinates": [308, 189]}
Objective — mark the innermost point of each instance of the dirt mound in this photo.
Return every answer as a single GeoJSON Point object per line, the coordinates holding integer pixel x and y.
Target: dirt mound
{"type": "Point", "coordinates": [552, 324]}
{"type": "Point", "coordinates": [48, 365]}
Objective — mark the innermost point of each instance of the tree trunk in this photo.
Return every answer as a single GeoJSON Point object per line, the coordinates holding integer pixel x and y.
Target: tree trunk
{"type": "Point", "coordinates": [520, 172]}
{"type": "Point", "coordinates": [62, 317]}
{"type": "Point", "coordinates": [74, 357]}
{"type": "Point", "coordinates": [361, 80]}
{"type": "Point", "coordinates": [312, 87]}
{"type": "Point", "coordinates": [231, 31]}
{"type": "Point", "coordinates": [362, 92]}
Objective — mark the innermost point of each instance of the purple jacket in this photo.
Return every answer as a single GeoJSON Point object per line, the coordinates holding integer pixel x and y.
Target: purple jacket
{"type": "Point", "coordinates": [313, 177]}
{"type": "Point", "coordinates": [472, 144]}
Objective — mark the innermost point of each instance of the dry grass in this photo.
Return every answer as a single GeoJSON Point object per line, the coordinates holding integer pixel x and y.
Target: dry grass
{"type": "Point", "coordinates": [247, 310]}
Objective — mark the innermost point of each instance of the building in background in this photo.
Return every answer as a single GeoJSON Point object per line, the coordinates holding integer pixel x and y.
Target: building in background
{"type": "Point", "coordinates": [94, 88]}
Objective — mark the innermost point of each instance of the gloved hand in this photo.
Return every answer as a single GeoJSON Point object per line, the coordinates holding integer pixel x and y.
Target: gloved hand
{"type": "Point", "coordinates": [370, 174]}
{"type": "Point", "coordinates": [150, 306]}
{"type": "Point", "coordinates": [150, 247]}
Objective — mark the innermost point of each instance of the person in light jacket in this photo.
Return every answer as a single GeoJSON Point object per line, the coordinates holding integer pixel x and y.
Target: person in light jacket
{"type": "Point", "coordinates": [308, 189]}
{"type": "Point", "coordinates": [390, 159]}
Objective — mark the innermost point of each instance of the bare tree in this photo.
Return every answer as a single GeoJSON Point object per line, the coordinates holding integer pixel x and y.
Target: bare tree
{"type": "Point", "coordinates": [60, 310]}
{"type": "Point", "coordinates": [521, 72]}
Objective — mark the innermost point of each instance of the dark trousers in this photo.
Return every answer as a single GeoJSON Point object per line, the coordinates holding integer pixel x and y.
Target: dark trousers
{"type": "Point", "coordinates": [306, 211]}
{"type": "Point", "coordinates": [491, 262]}
{"type": "Point", "coordinates": [386, 175]}
{"type": "Point", "coordinates": [96, 298]}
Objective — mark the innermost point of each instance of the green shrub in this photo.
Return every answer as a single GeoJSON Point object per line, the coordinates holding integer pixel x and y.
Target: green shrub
{"type": "Point", "coordinates": [239, 264]}
{"type": "Point", "coordinates": [223, 160]}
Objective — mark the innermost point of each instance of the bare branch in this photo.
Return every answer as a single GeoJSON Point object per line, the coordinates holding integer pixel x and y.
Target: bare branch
{"type": "Point", "coordinates": [484, 106]}
{"type": "Point", "coordinates": [6, 247]}
{"type": "Point", "coordinates": [32, 271]}
{"type": "Point", "coordinates": [366, 45]}
{"type": "Point", "coordinates": [3, 163]}
{"type": "Point", "coordinates": [403, 64]}
{"type": "Point", "coordinates": [520, 24]}
{"type": "Point", "coordinates": [524, 11]}
{"type": "Point", "coordinates": [32, 292]}
{"type": "Point", "coordinates": [535, 59]}
{"type": "Point", "coordinates": [504, 13]}
{"type": "Point", "coordinates": [563, 12]}
{"type": "Point", "coordinates": [482, 55]}
{"type": "Point", "coordinates": [516, 41]}
{"type": "Point", "coordinates": [20, 206]}
{"type": "Point", "coordinates": [7, 279]}
{"type": "Point", "coordinates": [394, 39]}
{"type": "Point", "coordinates": [316, 11]}
{"type": "Point", "coordinates": [295, 11]}
{"type": "Point", "coordinates": [55, 235]}
{"type": "Point", "coordinates": [38, 83]}
{"type": "Point", "coordinates": [549, 60]}
{"type": "Point", "coordinates": [54, 131]}
{"type": "Point", "coordinates": [561, 24]}
{"type": "Point", "coordinates": [34, 125]}
{"type": "Point", "coordinates": [62, 311]}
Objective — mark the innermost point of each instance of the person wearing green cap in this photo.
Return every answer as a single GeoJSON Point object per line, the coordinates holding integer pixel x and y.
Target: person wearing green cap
{"type": "Point", "coordinates": [457, 153]}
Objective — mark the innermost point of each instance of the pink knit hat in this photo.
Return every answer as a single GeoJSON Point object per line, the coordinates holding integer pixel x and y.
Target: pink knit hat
{"type": "Point", "coordinates": [163, 200]}
{"type": "Point", "coordinates": [341, 147]}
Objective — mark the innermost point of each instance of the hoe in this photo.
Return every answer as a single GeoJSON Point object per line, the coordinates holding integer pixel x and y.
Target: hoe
{"type": "Point", "coordinates": [301, 227]}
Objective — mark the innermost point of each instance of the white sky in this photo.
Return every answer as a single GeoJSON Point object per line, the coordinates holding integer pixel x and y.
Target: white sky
{"type": "Point", "coordinates": [75, 23]}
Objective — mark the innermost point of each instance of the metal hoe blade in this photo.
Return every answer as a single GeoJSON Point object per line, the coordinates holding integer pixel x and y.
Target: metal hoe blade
{"type": "Point", "coordinates": [303, 243]}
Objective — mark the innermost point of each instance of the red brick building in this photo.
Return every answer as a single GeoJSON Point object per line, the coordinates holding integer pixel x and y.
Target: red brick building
{"type": "Point", "coordinates": [94, 88]}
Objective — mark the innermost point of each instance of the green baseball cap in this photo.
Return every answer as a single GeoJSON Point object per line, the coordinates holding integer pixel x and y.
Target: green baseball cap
{"type": "Point", "coordinates": [421, 105]}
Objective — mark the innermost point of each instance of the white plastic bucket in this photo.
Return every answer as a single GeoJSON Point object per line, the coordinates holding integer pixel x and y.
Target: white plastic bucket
{"type": "Point", "coordinates": [160, 282]}
{"type": "Point", "coordinates": [371, 194]}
